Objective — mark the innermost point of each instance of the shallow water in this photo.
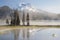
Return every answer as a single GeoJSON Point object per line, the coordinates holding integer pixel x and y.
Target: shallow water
{"type": "Point", "coordinates": [31, 34]}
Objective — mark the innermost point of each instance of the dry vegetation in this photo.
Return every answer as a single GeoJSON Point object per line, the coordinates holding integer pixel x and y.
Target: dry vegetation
{"type": "Point", "coordinates": [32, 26]}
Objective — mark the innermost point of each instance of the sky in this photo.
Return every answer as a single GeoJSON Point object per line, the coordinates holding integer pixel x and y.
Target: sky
{"type": "Point", "coordinates": [46, 5]}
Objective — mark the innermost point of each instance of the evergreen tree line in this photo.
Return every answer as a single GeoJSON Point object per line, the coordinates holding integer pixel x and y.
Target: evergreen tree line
{"type": "Point", "coordinates": [15, 20]}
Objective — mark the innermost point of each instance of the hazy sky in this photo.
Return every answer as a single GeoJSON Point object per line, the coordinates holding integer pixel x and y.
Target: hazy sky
{"type": "Point", "coordinates": [47, 5]}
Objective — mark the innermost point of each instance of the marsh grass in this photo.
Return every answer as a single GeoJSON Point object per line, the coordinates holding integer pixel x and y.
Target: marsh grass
{"type": "Point", "coordinates": [31, 26]}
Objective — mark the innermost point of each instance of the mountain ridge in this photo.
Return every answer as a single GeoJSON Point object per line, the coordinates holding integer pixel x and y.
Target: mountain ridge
{"type": "Point", "coordinates": [38, 14]}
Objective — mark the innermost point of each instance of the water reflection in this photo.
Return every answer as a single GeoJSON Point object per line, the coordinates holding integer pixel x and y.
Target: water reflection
{"type": "Point", "coordinates": [16, 34]}
{"type": "Point", "coordinates": [26, 34]}
{"type": "Point", "coordinates": [21, 34]}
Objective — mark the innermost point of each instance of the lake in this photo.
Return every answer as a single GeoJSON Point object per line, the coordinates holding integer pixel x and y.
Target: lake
{"type": "Point", "coordinates": [31, 34]}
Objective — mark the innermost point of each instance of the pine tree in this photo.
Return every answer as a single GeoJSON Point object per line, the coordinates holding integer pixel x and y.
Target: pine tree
{"type": "Point", "coordinates": [15, 20]}
{"type": "Point", "coordinates": [27, 19]}
{"type": "Point", "coordinates": [23, 19]}
{"type": "Point", "coordinates": [7, 21]}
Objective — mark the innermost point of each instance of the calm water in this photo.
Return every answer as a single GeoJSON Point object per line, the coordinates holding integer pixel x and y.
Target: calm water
{"type": "Point", "coordinates": [31, 34]}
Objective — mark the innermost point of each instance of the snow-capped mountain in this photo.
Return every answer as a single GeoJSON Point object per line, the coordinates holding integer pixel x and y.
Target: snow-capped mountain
{"type": "Point", "coordinates": [35, 14]}
{"type": "Point", "coordinates": [40, 14]}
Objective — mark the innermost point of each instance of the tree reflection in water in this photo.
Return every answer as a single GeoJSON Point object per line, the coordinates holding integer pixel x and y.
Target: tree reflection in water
{"type": "Point", "coordinates": [28, 34]}
{"type": "Point", "coordinates": [25, 34]}
{"type": "Point", "coordinates": [16, 34]}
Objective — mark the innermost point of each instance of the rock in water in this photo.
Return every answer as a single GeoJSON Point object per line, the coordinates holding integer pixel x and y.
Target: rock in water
{"type": "Point", "coordinates": [54, 35]}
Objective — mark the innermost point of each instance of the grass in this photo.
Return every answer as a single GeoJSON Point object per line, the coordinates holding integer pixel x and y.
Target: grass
{"type": "Point", "coordinates": [12, 27]}
{"type": "Point", "coordinates": [32, 26]}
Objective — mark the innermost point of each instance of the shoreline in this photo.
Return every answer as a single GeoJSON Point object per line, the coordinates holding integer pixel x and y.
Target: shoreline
{"type": "Point", "coordinates": [31, 26]}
